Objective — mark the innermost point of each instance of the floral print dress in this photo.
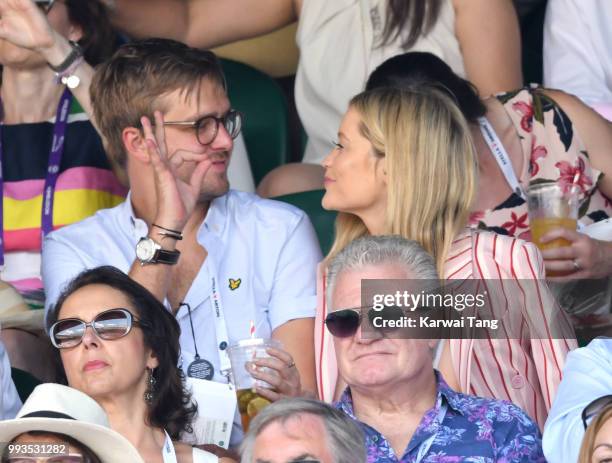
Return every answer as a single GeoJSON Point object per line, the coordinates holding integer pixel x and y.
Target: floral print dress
{"type": "Point", "coordinates": [553, 152]}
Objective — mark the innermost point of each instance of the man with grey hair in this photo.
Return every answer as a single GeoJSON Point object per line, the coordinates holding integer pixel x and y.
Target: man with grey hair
{"type": "Point", "coordinates": [403, 405]}
{"type": "Point", "coordinates": [303, 431]}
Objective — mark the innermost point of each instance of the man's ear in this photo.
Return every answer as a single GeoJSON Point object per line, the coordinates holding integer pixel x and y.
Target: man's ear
{"type": "Point", "coordinates": [135, 144]}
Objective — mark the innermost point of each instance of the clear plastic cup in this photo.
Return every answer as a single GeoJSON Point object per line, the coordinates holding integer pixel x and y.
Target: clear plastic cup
{"type": "Point", "coordinates": [550, 206]}
{"type": "Point", "coordinates": [247, 350]}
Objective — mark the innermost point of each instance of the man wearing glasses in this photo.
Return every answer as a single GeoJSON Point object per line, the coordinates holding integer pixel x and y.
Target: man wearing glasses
{"type": "Point", "coordinates": [585, 390]}
{"type": "Point", "coordinates": [407, 411]}
{"type": "Point", "coordinates": [229, 264]}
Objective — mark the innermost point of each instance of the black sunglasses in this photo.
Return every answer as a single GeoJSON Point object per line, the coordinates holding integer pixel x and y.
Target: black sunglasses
{"type": "Point", "coordinates": [594, 408]}
{"type": "Point", "coordinates": [344, 323]}
{"type": "Point", "coordinates": [207, 127]}
{"type": "Point", "coordinates": [108, 325]}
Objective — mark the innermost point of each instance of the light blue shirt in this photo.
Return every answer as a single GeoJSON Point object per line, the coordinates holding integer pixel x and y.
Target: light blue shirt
{"type": "Point", "coordinates": [9, 399]}
{"type": "Point", "coordinates": [587, 376]}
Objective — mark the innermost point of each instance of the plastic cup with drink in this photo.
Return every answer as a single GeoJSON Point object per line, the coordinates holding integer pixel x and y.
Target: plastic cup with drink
{"type": "Point", "coordinates": [552, 206]}
{"type": "Point", "coordinates": [249, 401]}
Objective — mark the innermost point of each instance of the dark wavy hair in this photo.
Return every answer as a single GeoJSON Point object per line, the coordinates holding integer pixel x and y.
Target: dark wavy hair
{"type": "Point", "coordinates": [172, 408]}
{"type": "Point", "coordinates": [417, 69]}
{"type": "Point", "coordinates": [99, 38]}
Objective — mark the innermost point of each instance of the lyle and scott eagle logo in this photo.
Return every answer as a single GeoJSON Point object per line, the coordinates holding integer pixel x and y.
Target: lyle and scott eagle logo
{"type": "Point", "coordinates": [234, 284]}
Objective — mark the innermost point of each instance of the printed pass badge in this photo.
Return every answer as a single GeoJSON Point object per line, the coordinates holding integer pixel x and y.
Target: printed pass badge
{"type": "Point", "coordinates": [216, 411]}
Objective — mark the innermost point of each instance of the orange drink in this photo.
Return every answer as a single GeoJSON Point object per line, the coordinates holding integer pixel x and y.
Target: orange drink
{"type": "Point", "coordinates": [541, 226]}
{"type": "Point", "coordinates": [249, 404]}
{"type": "Point", "coordinates": [551, 206]}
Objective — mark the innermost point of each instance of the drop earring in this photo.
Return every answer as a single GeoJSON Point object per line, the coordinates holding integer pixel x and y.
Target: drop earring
{"type": "Point", "coordinates": [149, 394]}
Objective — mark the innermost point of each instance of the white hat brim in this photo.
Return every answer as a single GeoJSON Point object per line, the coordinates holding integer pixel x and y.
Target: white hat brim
{"type": "Point", "coordinates": [107, 444]}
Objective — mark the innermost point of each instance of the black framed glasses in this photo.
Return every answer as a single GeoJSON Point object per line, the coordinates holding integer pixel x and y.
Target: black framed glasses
{"type": "Point", "coordinates": [207, 127]}
{"type": "Point", "coordinates": [595, 408]}
{"type": "Point", "coordinates": [344, 323]}
{"type": "Point", "coordinates": [45, 5]}
{"type": "Point", "coordinates": [108, 325]}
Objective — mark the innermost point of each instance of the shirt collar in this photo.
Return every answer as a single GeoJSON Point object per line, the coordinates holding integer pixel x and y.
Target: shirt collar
{"type": "Point", "coordinates": [216, 217]}
{"type": "Point", "coordinates": [215, 220]}
{"type": "Point", "coordinates": [444, 392]}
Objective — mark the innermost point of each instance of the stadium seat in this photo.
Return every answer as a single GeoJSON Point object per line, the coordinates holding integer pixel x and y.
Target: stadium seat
{"type": "Point", "coordinates": [263, 103]}
{"type": "Point", "coordinates": [322, 220]}
{"type": "Point", "coordinates": [24, 382]}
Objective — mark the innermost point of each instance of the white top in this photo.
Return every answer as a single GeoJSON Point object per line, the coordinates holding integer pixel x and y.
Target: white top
{"type": "Point", "coordinates": [338, 51]}
{"type": "Point", "coordinates": [587, 376]}
{"type": "Point", "coordinates": [270, 246]}
{"type": "Point", "coordinates": [9, 399]}
{"type": "Point", "coordinates": [200, 456]}
{"type": "Point", "coordinates": [577, 51]}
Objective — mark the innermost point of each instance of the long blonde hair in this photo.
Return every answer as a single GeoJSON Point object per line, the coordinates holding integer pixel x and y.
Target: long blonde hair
{"type": "Point", "coordinates": [431, 167]}
{"type": "Point", "coordinates": [588, 441]}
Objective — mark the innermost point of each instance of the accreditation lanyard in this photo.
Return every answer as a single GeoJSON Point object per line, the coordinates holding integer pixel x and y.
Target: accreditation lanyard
{"type": "Point", "coordinates": [501, 155]}
{"type": "Point", "coordinates": [426, 445]}
{"type": "Point", "coordinates": [168, 453]}
{"type": "Point", "coordinates": [220, 325]}
{"type": "Point", "coordinates": [53, 167]}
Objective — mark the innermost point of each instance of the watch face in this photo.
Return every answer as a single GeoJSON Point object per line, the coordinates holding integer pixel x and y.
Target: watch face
{"type": "Point", "coordinates": [71, 82]}
{"type": "Point", "coordinates": [145, 249]}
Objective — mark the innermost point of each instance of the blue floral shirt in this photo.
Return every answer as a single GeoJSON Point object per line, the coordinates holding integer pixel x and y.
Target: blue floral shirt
{"type": "Point", "coordinates": [474, 429]}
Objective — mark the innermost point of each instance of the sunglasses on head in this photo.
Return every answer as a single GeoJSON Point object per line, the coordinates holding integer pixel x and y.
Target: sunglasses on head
{"type": "Point", "coordinates": [108, 325]}
{"type": "Point", "coordinates": [594, 408]}
{"type": "Point", "coordinates": [344, 323]}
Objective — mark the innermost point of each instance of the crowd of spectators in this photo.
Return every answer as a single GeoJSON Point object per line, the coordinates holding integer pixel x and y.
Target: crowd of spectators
{"type": "Point", "coordinates": [131, 265]}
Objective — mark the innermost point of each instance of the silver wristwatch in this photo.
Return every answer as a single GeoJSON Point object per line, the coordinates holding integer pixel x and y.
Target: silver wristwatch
{"type": "Point", "coordinates": [150, 252]}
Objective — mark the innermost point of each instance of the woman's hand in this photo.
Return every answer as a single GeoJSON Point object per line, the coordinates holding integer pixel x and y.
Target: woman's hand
{"type": "Point", "coordinates": [584, 258]}
{"type": "Point", "coordinates": [24, 24]}
{"type": "Point", "coordinates": [285, 379]}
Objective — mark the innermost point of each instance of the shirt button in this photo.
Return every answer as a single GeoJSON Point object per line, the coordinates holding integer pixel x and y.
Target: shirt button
{"type": "Point", "coordinates": [223, 345]}
{"type": "Point", "coordinates": [517, 382]}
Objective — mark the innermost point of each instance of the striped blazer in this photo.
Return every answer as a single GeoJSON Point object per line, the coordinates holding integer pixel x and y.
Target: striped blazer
{"type": "Point", "coordinates": [523, 367]}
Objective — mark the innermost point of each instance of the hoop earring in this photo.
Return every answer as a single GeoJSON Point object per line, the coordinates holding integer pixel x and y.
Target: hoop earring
{"type": "Point", "coordinates": [149, 394]}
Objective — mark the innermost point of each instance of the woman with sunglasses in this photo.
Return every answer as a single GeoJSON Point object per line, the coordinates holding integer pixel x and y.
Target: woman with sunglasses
{"type": "Point", "coordinates": [39, 105]}
{"type": "Point", "coordinates": [119, 345]}
{"type": "Point", "coordinates": [404, 164]}
{"type": "Point", "coordinates": [597, 443]}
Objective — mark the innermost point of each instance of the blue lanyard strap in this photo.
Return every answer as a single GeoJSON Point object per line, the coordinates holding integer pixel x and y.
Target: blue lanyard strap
{"type": "Point", "coordinates": [426, 444]}
{"type": "Point", "coordinates": [53, 167]}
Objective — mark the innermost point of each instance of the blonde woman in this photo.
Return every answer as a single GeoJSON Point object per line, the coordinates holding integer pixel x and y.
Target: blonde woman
{"type": "Point", "coordinates": [404, 163]}
{"type": "Point", "coordinates": [597, 442]}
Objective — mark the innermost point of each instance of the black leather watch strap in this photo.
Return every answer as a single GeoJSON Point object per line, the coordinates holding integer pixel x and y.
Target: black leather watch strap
{"type": "Point", "coordinates": [74, 54]}
{"type": "Point", "coordinates": [163, 256]}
